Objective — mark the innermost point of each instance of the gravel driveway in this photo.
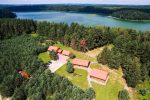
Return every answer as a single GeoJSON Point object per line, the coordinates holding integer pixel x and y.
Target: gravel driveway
{"type": "Point", "coordinates": [55, 65]}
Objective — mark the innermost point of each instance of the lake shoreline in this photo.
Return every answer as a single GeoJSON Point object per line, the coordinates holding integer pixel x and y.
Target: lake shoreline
{"type": "Point", "coordinates": [129, 19]}
{"type": "Point", "coordinates": [110, 16]}
{"type": "Point", "coordinates": [88, 19]}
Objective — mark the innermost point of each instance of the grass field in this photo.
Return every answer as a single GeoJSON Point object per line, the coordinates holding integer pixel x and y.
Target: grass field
{"type": "Point", "coordinates": [80, 79]}
{"type": "Point", "coordinates": [110, 90]}
{"type": "Point", "coordinates": [44, 57]}
{"type": "Point", "coordinates": [107, 92]}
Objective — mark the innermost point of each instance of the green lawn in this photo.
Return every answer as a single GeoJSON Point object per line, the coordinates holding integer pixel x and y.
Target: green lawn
{"type": "Point", "coordinates": [44, 57]}
{"type": "Point", "coordinates": [34, 35]}
{"type": "Point", "coordinates": [109, 91]}
{"type": "Point", "coordinates": [77, 53]}
{"type": "Point", "coordinates": [79, 80]}
{"type": "Point", "coordinates": [97, 66]}
{"type": "Point", "coordinates": [146, 86]}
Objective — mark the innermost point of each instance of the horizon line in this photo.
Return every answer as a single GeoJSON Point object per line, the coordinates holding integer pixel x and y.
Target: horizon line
{"type": "Point", "coordinates": [79, 4]}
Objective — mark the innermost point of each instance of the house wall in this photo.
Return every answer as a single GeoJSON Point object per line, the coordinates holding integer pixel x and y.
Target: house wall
{"type": "Point", "coordinates": [80, 67]}
{"type": "Point", "coordinates": [99, 81]}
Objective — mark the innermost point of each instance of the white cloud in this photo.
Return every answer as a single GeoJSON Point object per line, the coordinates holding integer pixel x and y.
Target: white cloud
{"type": "Point", "coordinates": [135, 2]}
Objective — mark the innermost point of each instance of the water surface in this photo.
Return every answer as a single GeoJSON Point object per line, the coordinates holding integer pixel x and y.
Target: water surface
{"type": "Point", "coordinates": [81, 18]}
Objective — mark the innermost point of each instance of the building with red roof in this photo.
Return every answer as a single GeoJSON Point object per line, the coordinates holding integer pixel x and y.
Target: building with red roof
{"type": "Point", "coordinates": [66, 53]}
{"type": "Point", "coordinates": [54, 48]}
{"type": "Point", "coordinates": [81, 63]}
{"type": "Point", "coordinates": [60, 51]}
{"type": "Point", "coordinates": [99, 76]}
{"type": "Point", "coordinates": [24, 74]}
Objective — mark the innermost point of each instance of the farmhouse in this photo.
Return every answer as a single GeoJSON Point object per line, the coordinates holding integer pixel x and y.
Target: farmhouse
{"type": "Point", "coordinates": [80, 63]}
{"type": "Point", "coordinates": [98, 76]}
{"type": "Point", "coordinates": [66, 53]}
{"type": "Point", "coordinates": [54, 48]}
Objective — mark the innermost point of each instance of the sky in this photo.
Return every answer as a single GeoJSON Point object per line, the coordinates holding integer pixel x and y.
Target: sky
{"type": "Point", "coordinates": [124, 2]}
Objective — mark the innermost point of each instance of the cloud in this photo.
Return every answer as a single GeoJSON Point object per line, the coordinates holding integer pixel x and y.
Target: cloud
{"type": "Point", "coordinates": [135, 2]}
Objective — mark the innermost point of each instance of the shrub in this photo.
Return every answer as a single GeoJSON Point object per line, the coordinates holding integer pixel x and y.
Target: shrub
{"type": "Point", "coordinates": [72, 56]}
{"type": "Point", "coordinates": [123, 95]}
{"type": "Point", "coordinates": [143, 92]}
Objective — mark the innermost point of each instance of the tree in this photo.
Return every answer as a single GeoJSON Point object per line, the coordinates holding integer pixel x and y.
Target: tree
{"type": "Point", "coordinates": [89, 94]}
{"type": "Point", "coordinates": [132, 71]}
{"type": "Point", "coordinates": [114, 58]}
{"type": "Point", "coordinates": [102, 57]}
{"type": "Point", "coordinates": [123, 95]}
{"type": "Point", "coordinates": [53, 55]}
{"type": "Point", "coordinates": [19, 94]}
{"type": "Point", "coordinates": [69, 67]}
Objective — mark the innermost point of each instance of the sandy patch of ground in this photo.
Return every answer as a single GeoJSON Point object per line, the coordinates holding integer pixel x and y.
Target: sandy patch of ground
{"type": "Point", "coordinates": [93, 53]}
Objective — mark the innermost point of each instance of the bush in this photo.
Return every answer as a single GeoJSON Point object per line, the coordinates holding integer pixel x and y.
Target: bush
{"type": "Point", "coordinates": [143, 92]}
{"type": "Point", "coordinates": [72, 56]}
{"type": "Point", "coordinates": [123, 95]}
{"type": "Point", "coordinates": [69, 67]}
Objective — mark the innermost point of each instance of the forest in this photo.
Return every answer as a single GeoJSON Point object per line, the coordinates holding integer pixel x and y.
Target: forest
{"type": "Point", "coordinates": [7, 14]}
{"type": "Point", "coordinates": [130, 52]}
{"type": "Point", "coordinates": [21, 53]}
{"type": "Point", "coordinates": [119, 11]}
{"type": "Point", "coordinates": [131, 15]}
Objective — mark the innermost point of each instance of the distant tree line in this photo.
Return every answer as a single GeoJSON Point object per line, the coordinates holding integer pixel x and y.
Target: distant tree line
{"type": "Point", "coordinates": [7, 14]}
{"type": "Point", "coordinates": [21, 53]}
{"type": "Point", "coordinates": [78, 36]}
{"type": "Point", "coordinates": [123, 12]}
{"type": "Point", "coordinates": [131, 15]}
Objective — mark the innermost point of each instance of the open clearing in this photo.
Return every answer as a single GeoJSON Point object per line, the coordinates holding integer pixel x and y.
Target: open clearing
{"type": "Point", "coordinates": [79, 78]}
{"type": "Point", "coordinates": [107, 92]}
{"type": "Point", "coordinates": [44, 57]}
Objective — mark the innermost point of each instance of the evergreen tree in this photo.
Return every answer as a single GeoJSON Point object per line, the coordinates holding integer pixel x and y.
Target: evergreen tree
{"type": "Point", "coordinates": [69, 67]}
{"type": "Point", "coordinates": [123, 95]}
{"type": "Point", "coordinates": [53, 55]}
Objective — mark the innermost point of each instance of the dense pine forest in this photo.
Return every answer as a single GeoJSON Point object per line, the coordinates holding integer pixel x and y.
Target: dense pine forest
{"type": "Point", "coordinates": [6, 14]}
{"type": "Point", "coordinates": [22, 53]}
{"type": "Point", "coordinates": [119, 11]}
{"type": "Point", "coordinates": [19, 51]}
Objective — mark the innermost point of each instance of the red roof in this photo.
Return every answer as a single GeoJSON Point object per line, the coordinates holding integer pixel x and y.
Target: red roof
{"type": "Point", "coordinates": [65, 52]}
{"type": "Point", "coordinates": [101, 74]}
{"type": "Point", "coordinates": [80, 62]}
{"type": "Point", "coordinates": [53, 48]}
{"type": "Point", "coordinates": [25, 74]}
{"type": "Point", "coordinates": [60, 51]}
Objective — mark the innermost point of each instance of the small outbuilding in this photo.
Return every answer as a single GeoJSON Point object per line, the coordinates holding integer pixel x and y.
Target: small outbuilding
{"type": "Point", "coordinates": [80, 63]}
{"type": "Point", "coordinates": [99, 76]}
{"type": "Point", "coordinates": [24, 74]}
{"type": "Point", "coordinates": [54, 48]}
{"type": "Point", "coordinates": [66, 53]}
{"type": "Point", "coordinates": [60, 51]}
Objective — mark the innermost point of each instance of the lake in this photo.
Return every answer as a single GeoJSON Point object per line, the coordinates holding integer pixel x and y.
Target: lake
{"type": "Point", "coordinates": [82, 18]}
